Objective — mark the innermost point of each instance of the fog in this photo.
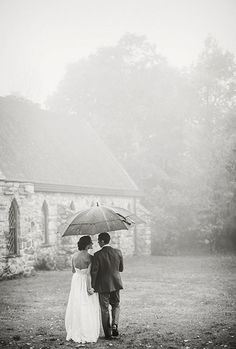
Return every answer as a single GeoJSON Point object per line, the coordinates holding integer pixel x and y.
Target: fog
{"type": "Point", "coordinates": [129, 104]}
{"type": "Point", "coordinates": [156, 81]}
{"type": "Point", "coordinates": [39, 38]}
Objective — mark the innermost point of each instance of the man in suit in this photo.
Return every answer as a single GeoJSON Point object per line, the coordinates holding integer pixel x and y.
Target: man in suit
{"type": "Point", "coordinates": [105, 273]}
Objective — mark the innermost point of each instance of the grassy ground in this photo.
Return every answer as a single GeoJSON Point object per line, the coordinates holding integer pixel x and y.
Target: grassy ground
{"type": "Point", "coordinates": [167, 302]}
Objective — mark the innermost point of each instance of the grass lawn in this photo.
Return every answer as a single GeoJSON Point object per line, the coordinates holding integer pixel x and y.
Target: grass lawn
{"type": "Point", "coordinates": [167, 302]}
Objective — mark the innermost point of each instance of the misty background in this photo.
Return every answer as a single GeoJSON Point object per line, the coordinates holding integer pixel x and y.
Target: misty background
{"type": "Point", "coordinates": [156, 80]}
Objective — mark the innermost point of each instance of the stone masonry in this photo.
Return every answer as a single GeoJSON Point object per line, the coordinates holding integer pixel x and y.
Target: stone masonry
{"type": "Point", "coordinates": [56, 254]}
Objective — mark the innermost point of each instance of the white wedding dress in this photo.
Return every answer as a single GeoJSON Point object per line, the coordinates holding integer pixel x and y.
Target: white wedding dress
{"type": "Point", "coordinates": [82, 320]}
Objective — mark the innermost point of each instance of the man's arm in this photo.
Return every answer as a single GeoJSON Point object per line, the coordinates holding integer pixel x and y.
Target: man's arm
{"type": "Point", "coordinates": [121, 265]}
{"type": "Point", "coordinates": [94, 270]}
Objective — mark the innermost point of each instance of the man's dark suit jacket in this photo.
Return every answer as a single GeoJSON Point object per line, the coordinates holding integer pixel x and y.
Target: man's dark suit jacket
{"type": "Point", "coordinates": [105, 271]}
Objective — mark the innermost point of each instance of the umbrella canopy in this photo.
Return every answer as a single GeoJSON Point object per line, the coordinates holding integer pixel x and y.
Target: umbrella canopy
{"type": "Point", "coordinates": [129, 216]}
{"type": "Point", "coordinates": [97, 219]}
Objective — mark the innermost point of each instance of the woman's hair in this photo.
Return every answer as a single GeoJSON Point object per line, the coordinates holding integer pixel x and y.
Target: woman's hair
{"type": "Point", "coordinates": [83, 242]}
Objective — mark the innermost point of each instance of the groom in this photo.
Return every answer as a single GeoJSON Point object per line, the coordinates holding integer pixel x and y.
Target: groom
{"type": "Point", "coordinates": [105, 272]}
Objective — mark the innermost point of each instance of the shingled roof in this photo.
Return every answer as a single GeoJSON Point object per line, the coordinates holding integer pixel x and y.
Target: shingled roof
{"type": "Point", "coordinates": [60, 153]}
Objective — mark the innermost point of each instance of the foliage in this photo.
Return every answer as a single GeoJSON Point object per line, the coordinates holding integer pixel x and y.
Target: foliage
{"type": "Point", "coordinates": [45, 262]}
{"type": "Point", "coordinates": [173, 131]}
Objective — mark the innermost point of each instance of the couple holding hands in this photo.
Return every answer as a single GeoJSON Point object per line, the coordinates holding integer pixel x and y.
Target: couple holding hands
{"type": "Point", "coordinates": [95, 286]}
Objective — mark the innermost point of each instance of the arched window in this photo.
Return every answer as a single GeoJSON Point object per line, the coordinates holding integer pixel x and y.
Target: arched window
{"type": "Point", "coordinates": [72, 206]}
{"type": "Point", "coordinates": [45, 222]}
{"type": "Point", "coordinates": [14, 228]}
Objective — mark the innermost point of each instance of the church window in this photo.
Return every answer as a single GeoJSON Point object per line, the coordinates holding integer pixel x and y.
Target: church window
{"type": "Point", "coordinates": [72, 206]}
{"type": "Point", "coordinates": [45, 223]}
{"type": "Point", "coordinates": [14, 220]}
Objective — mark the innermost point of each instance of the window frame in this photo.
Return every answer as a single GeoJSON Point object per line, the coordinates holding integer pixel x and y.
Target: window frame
{"type": "Point", "coordinates": [14, 214]}
{"type": "Point", "coordinates": [45, 225]}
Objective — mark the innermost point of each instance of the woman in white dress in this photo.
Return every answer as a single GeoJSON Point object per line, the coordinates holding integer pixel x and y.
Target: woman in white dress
{"type": "Point", "coordinates": [82, 320]}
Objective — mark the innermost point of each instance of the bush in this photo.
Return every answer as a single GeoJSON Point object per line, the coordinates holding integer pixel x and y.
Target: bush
{"type": "Point", "coordinates": [45, 263]}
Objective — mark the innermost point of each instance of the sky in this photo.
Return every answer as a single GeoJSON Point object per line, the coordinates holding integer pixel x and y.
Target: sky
{"type": "Point", "coordinates": [39, 38]}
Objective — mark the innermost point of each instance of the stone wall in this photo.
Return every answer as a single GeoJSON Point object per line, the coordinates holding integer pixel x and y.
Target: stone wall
{"type": "Point", "coordinates": [22, 264]}
{"type": "Point", "coordinates": [143, 231]}
{"type": "Point", "coordinates": [56, 254]}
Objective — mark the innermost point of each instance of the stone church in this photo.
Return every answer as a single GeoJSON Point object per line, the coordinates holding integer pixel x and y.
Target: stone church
{"type": "Point", "coordinates": [52, 166]}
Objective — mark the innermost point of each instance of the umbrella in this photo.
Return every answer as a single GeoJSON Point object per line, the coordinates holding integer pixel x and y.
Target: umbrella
{"type": "Point", "coordinates": [129, 216]}
{"type": "Point", "coordinates": [97, 219]}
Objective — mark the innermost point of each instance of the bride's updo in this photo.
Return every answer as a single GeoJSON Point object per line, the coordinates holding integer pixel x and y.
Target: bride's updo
{"type": "Point", "coordinates": [83, 242]}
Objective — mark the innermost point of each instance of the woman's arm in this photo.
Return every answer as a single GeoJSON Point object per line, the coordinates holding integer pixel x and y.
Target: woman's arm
{"type": "Point", "coordinates": [72, 262]}
{"type": "Point", "coordinates": [90, 290]}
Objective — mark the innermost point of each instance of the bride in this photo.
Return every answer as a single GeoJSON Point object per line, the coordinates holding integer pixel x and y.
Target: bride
{"type": "Point", "coordinates": [82, 320]}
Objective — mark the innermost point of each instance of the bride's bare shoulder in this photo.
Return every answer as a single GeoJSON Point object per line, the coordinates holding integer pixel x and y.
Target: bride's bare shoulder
{"type": "Point", "coordinates": [81, 260]}
{"type": "Point", "coordinates": [76, 255]}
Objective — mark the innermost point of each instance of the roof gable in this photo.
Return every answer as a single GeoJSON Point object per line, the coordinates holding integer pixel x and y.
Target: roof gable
{"type": "Point", "coordinates": [42, 147]}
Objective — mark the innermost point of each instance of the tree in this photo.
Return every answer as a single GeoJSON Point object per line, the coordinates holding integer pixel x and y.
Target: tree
{"type": "Point", "coordinates": [167, 127]}
{"type": "Point", "coordinates": [214, 79]}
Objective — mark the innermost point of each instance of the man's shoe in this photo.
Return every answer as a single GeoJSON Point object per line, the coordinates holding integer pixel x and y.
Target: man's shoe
{"type": "Point", "coordinates": [108, 338]}
{"type": "Point", "coordinates": [115, 332]}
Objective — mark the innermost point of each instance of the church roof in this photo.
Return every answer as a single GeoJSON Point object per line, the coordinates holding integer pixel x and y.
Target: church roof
{"type": "Point", "coordinates": [59, 153]}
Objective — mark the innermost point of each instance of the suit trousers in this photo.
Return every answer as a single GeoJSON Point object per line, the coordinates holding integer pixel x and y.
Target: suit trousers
{"type": "Point", "coordinates": [112, 298]}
